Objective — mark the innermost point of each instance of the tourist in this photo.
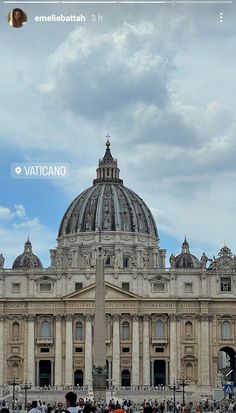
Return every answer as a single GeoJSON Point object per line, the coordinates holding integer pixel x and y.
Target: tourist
{"type": "Point", "coordinates": [71, 402]}
{"type": "Point", "coordinates": [34, 407]}
{"type": "Point", "coordinates": [59, 408]}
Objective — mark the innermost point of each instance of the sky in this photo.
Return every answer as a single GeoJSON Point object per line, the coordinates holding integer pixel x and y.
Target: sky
{"type": "Point", "coordinates": [160, 79]}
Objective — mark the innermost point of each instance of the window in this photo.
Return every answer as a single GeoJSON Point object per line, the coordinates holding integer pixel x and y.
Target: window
{"type": "Point", "coordinates": [188, 287]}
{"type": "Point", "coordinates": [78, 286]}
{"type": "Point", "coordinates": [226, 329]}
{"type": "Point", "coordinates": [45, 330]}
{"type": "Point", "coordinates": [125, 286]}
{"type": "Point", "coordinates": [44, 350]}
{"type": "Point", "coordinates": [45, 287]}
{"type": "Point", "coordinates": [159, 328]}
{"type": "Point", "coordinates": [159, 287]}
{"type": "Point", "coordinates": [79, 331]}
{"type": "Point", "coordinates": [125, 331]}
{"type": "Point", "coordinates": [79, 349]}
{"type": "Point", "coordinates": [189, 371]}
{"type": "Point", "coordinates": [159, 349]}
{"type": "Point", "coordinates": [188, 329]}
{"type": "Point", "coordinates": [108, 261]}
{"type": "Point", "coordinates": [125, 350]}
{"type": "Point", "coordinates": [225, 284]}
{"type": "Point", "coordinates": [15, 331]}
{"type": "Point", "coordinates": [15, 288]}
{"type": "Point", "coordinates": [125, 262]}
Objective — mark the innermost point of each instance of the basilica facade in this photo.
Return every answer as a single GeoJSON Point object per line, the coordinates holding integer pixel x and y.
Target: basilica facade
{"type": "Point", "coordinates": [163, 320]}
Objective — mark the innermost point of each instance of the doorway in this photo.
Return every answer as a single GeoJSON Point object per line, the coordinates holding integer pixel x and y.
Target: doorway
{"type": "Point", "coordinates": [45, 373]}
{"type": "Point", "coordinates": [159, 372]}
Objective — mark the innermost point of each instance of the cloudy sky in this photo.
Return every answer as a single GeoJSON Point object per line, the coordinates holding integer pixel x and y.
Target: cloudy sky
{"type": "Point", "coordinates": [160, 79]}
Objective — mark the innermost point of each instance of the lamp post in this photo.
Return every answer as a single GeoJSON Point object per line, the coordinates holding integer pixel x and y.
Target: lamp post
{"type": "Point", "coordinates": [183, 383]}
{"type": "Point", "coordinates": [13, 382]}
{"type": "Point", "coordinates": [174, 386]}
{"type": "Point", "coordinates": [26, 386]}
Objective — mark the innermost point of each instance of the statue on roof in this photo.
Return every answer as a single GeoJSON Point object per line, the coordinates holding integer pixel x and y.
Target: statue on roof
{"type": "Point", "coordinates": [2, 260]}
{"type": "Point", "coordinates": [203, 260]}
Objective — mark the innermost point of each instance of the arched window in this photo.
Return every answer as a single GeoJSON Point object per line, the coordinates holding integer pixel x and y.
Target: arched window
{"type": "Point", "coordinates": [125, 330]}
{"type": "Point", "coordinates": [79, 330]}
{"type": "Point", "coordinates": [226, 329]}
{"type": "Point", "coordinates": [15, 331]}
{"type": "Point", "coordinates": [188, 329]}
{"type": "Point", "coordinates": [45, 329]}
{"type": "Point", "coordinates": [189, 371]}
{"type": "Point", "coordinates": [159, 328]}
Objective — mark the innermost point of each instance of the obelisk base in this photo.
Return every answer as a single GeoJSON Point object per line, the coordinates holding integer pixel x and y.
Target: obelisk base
{"type": "Point", "coordinates": [99, 385]}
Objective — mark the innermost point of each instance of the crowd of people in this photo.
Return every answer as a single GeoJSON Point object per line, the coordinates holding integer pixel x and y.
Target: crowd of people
{"type": "Point", "coordinates": [72, 405]}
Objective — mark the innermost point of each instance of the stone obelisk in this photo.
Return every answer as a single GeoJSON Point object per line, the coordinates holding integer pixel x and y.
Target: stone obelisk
{"type": "Point", "coordinates": [99, 356]}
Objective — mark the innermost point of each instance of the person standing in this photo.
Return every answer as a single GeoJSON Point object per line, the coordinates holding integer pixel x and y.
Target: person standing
{"type": "Point", "coordinates": [34, 407]}
{"type": "Point", "coordinates": [71, 402]}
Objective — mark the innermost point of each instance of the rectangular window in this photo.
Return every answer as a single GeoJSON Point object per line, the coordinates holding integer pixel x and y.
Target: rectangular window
{"type": "Point", "coordinates": [159, 287]}
{"type": "Point", "coordinates": [78, 286]}
{"type": "Point", "coordinates": [159, 349]}
{"type": "Point", "coordinates": [15, 288]}
{"type": "Point", "coordinates": [45, 287]}
{"type": "Point", "coordinates": [44, 350]}
{"type": "Point", "coordinates": [125, 286]}
{"type": "Point", "coordinates": [125, 349]}
{"type": "Point", "coordinates": [108, 261]}
{"type": "Point", "coordinates": [225, 284]}
{"type": "Point", "coordinates": [79, 349]}
{"type": "Point", "coordinates": [125, 262]}
{"type": "Point", "coordinates": [188, 287]}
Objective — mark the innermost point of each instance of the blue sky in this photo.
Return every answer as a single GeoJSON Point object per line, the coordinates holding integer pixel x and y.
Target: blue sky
{"type": "Point", "coordinates": [160, 79]}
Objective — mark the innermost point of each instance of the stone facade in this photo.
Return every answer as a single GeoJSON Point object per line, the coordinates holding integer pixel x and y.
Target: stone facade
{"type": "Point", "coordinates": [160, 322]}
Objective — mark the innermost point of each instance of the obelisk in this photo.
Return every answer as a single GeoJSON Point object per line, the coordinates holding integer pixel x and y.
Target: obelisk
{"type": "Point", "coordinates": [99, 356]}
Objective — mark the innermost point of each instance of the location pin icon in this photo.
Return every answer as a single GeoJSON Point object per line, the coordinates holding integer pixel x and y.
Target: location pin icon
{"type": "Point", "coordinates": [18, 170]}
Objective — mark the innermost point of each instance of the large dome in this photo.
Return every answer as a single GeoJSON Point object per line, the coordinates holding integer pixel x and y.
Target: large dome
{"type": "Point", "coordinates": [108, 205]}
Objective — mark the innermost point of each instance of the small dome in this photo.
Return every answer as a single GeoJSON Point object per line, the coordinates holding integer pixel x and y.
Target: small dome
{"type": "Point", "coordinates": [186, 259]}
{"type": "Point", "coordinates": [27, 259]}
{"type": "Point", "coordinates": [108, 205]}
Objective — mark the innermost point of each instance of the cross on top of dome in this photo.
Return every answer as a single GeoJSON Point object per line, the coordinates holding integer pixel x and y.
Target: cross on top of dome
{"type": "Point", "coordinates": [108, 170]}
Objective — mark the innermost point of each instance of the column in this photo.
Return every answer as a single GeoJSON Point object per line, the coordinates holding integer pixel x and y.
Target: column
{"type": "Point", "coordinates": [205, 353]}
{"type": "Point", "coordinates": [199, 350]}
{"type": "Point", "coordinates": [178, 346]}
{"type": "Point", "coordinates": [135, 351]}
{"type": "Point", "coordinates": [69, 351]}
{"type": "Point", "coordinates": [152, 373]}
{"type": "Point", "coordinates": [30, 352]}
{"type": "Point", "coordinates": [52, 373]}
{"type": "Point", "coordinates": [167, 373]}
{"type": "Point", "coordinates": [146, 351]}
{"type": "Point", "coordinates": [172, 346]}
{"type": "Point", "coordinates": [37, 383]}
{"type": "Point", "coordinates": [116, 351]}
{"type": "Point", "coordinates": [58, 352]}
{"type": "Point", "coordinates": [1, 350]}
{"type": "Point", "coordinates": [88, 351]}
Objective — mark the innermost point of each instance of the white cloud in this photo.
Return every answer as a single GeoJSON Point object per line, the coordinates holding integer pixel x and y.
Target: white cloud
{"type": "Point", "coordinates": [5, 213]}
{"type": "Point", "coordinates": [20, 211]}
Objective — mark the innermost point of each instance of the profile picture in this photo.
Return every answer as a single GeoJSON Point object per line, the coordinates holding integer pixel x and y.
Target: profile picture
{"type": "Point", "coordinates": [17, 17]}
